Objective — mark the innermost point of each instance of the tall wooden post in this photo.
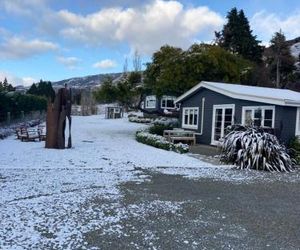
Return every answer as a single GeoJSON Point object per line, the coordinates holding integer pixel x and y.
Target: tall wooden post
{"type": "Point", "coordinates": [56, 120]}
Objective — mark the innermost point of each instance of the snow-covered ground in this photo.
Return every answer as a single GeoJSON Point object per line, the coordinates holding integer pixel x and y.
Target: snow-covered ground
{"type": "Point", "coordinates": [47, 195]}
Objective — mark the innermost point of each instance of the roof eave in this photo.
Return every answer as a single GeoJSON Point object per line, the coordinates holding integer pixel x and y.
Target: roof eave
{"type": "Point", "coordinates": [203, 84]}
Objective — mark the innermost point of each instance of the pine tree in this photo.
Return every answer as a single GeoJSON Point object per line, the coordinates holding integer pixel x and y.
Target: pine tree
{"type": "Point", "coordinates": [237, 37]}
{"type": "Point", "coordinates": [32, 90]}
{"type": "Point", "coordinates": [5, 84]}
{"type": "Point", "coordinates": [10, 88]}
{"type": "Point", "coordinates": [281, 62]}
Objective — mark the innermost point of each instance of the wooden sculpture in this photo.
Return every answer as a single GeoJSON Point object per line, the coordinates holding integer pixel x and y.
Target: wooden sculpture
{"type": "Point", "coordinates": [57, 113]}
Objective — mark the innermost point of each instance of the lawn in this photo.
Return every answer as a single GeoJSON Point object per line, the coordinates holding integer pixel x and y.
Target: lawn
{"type": "Point", "coordinates": [110, 191]}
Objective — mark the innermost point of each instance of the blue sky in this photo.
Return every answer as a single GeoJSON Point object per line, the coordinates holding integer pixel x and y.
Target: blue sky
{"type": "Point", "coordinates": [58, 39]}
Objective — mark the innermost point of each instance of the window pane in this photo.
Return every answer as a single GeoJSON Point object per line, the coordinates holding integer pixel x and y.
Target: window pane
{"type": "Point", "coordinates": [269, 114]}
{"type": "Point", "coordinates": [268, 123]}
{"type": "Point", "coordinates": [248, 117]}
{"type": "Point", "coordinates": [257, 114]}
{"type": "Point", "coordinates": [191, 118]}
{"type": "Point", "coordinates": [150, 101]}
{"type": "Point", "coordinates": [170, 103]}
{"type": "Point", "coordinates": [195, 119]}
{"type": "Point", "coordinates": [228, 118]}
{"type": "Point", "coordinates": [186, 117]}
{"type": "Point", "coordinates": [228, 111]}
{"type": "Point", "coordinates": [218, 118]}
{"type": "Point", "coordinates": [257, 122]}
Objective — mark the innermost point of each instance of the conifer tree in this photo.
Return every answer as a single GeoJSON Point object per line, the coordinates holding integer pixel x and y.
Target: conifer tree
{"type": "Point", "coordinates": [5, 84]}
{"type": "Point", "coordinates": [237, 37]}
{"type": "Point", "coordinates": [281, 62]}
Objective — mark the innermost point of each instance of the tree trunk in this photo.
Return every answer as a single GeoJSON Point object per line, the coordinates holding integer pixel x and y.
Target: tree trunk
{"type": "Point", "coordinates": [278, 73]}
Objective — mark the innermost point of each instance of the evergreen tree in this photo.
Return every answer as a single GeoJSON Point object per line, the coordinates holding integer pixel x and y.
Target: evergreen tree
{"type": "Point", "coordinates": [1, 86]}
{"type": "Point", "coordinates": [165, 75]}
{"type": "Point", "coordinates": [237, 37]}
{"type": "Point", "coordinates": [107, 93]}
{"type": "Point", "coordinates": [5, 84]}
{"type": "Point", "coordinates": [32, 90]}
{"type": "Point", "coordinates": [281, 62]}
{"type": "Point", "coordinates": [174, 71]}
{"type": "Point", "coordinates": [43, 88]}
{"type": "Point", "coordinates": [10, 88]}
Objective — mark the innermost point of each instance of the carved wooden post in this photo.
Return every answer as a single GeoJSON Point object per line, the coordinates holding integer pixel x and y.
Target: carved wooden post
{"type": "Point", "coordinates": [56, 120]}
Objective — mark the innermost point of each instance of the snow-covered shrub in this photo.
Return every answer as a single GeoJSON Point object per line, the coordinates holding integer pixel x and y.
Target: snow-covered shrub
{"type": "Point", "coordinates": [140, 119]}
{"type": "Point", "coordinates": [252, 148]}
{"type": "Point", "coordinates": [166, 121]}
{"type": "Point", "coordinates": [160, 142]}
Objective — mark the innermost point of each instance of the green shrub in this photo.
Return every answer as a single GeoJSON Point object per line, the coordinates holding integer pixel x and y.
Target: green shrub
{"type": "Point", "coordinates": [158, 129]}
{"type": "Point", "coordinates": [294, 147]}
{"type": "Point", "coordinates": [160, 142]}
{"type": "Point", "coordinates": [16, 102]}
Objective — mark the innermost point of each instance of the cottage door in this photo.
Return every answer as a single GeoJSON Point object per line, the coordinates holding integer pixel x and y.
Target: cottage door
{"type": "Point", "coordinates": [223, 116]}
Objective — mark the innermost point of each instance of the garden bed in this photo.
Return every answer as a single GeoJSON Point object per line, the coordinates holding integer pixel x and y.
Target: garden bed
{"type": "Point", "coordinates": [160, 142]}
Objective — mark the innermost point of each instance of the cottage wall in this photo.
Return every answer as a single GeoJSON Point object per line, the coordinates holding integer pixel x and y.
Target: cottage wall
{"type": "Point", "coordinates": [285, 117]}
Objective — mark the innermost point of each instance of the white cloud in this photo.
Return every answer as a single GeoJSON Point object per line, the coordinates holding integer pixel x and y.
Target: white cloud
{"type": "Point", "coordinates": [18, 48]}
{"type": "Point", "coordinates": [28, 81]}
{"type": "Point", "coordinates": [105, 64]}
{"type": "Point", "coordinates": [145, 28]}
{"type": "Point", "coordinates": [69, 62]}
{"type": "Point", "coordinates": [15, 80]}
{"type": "Point", "coordinates": [22, 7]}
{"type": "Point", "coordinates": [265, 24]}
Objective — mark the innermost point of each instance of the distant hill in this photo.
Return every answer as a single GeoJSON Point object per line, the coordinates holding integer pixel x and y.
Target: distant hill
{"type": "Point", "coordinates": [295, 46]}
{"type": "Point", "coordinates": [90, 81]}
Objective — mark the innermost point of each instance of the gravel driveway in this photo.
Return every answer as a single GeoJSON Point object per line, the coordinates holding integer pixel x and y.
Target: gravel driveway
{"type": "Point", "coordinates": [173, 212]}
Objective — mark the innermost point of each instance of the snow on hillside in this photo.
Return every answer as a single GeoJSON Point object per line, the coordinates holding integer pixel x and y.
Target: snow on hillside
{"type": "Point", "coordinates": [295, 50]}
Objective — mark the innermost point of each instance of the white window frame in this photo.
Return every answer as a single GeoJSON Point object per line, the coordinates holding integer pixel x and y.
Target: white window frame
{"type": "Point", "coordinates": [190, 126]}
{"type": "Point", "coordinates": [152, 99]}
{"type": "Point", "coordinates": [262, 108]}
{"type": "Point", "coordinates": [220, 106]}
{"type": "Point", "coordinates": [166, 98]}
{"type": "Point", "coordinates": [297, 132]}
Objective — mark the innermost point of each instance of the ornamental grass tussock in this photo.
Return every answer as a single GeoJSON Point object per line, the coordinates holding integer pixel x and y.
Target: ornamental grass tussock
{"type": "Point", "coordinates": [253, 148]}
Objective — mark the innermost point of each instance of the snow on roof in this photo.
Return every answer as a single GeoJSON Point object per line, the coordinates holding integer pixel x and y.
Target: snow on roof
{"type": "Point", "coordinates": [282, 97]}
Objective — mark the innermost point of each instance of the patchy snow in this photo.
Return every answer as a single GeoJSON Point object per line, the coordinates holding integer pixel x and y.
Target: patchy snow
{"type": "Point", "coordinates": [295, 50]}
{"type": "Point", "coordinates": [51, 198]}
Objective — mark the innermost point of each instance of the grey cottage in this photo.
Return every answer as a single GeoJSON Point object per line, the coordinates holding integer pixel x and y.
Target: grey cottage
{"type": "Point", "coordinates": [209, 107]}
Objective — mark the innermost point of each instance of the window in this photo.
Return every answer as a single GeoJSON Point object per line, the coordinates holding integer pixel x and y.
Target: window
{"type": "Point", "coordinates": [261, 116]}
{"type": "Point", "coordinates": [190, 118]}
{"type": "Point", "coordinates": [116, 110]}
{"type": "Point", "coordinates": [151, 101]}
{"type": "Point", "coordinates": [167, 102]}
